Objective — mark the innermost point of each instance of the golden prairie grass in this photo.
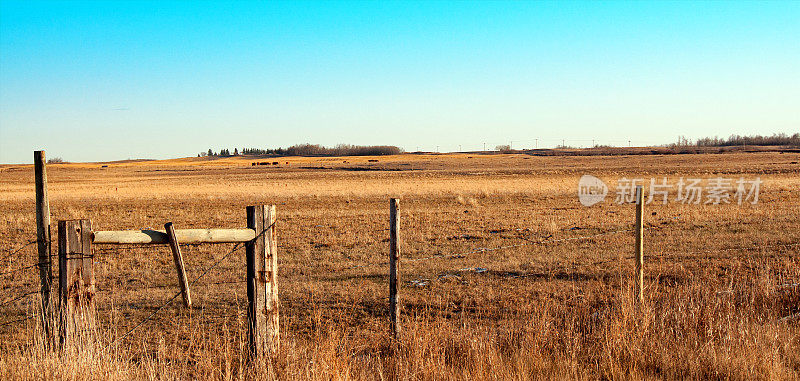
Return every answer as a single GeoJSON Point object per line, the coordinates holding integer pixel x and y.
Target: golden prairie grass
{"type": "Point", "coordinates": [721, 281]}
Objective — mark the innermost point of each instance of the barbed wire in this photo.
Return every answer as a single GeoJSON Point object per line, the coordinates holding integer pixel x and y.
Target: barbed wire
{"type": "Point", "coordinates": [229, 282]}
{"type": "Point", "coordinates": [490, 249]}
{"type": "Point", "coordinates": [529, 243]}
{"type": "Point", "coordinates": [17, 320]}
{"type": "Point", "coordinates": [18, 298]}
{"type": "Point", "coordinates": [23, 268]}
{"type": "Point", "coordinates": [739, 248]}
{"type": "Point", "coordinates": [17, 250]}
{"type": "Point", "coordinates": [660, 256]}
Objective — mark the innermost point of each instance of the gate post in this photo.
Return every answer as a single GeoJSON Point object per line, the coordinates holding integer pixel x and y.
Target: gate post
{"type": "Point", "coordinates": [76, 286]}
{"type": "Point", "coordinates": [262, 289]}
{"type": "Point", "coordinates": [44, 247]}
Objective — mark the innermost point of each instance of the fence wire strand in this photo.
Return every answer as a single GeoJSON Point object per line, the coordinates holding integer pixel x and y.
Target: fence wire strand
{"type": "Point", "coordinates": [18, 298]}
{"type": "Point", "coordinates": [575, 265]}
{"type": "Point", "coordinates": [545, 241]}
{"type": "Point", "coordinates": [17, 320]}
{"type": "Point", "coordinates": [17, 250]}
{"type": "Point", "coordinates": [24, 268]}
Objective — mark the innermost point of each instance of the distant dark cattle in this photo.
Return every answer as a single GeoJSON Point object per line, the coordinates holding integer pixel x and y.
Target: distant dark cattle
{"type": "Point", "coordinates": [275, 163]}
{"type": "Point", "coordinates": [373, 160]}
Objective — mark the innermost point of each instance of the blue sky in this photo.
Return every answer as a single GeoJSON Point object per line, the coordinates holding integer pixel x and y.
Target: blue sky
{"type": "Point", "coordinates": [91, 81]}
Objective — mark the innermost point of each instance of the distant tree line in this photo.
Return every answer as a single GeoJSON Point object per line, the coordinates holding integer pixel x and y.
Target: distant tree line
{"type": "Point", "coordinates": [737, 140]}
{"type": "Point", "coordinates": [222, 153]}
{"type": "Point", "coordinates": [309, 150]}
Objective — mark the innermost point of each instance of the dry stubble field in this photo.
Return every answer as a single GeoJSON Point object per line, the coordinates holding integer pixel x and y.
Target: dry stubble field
{"type": "Point", "coordinates": [721, 281]}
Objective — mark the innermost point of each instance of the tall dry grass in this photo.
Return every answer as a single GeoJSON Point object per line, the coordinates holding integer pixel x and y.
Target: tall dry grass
{"type": "Point", "coordinates": [689, 331]}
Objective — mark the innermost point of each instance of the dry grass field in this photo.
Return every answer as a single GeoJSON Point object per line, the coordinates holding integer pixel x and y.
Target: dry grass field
{"type": "Point", "coordinates": [722, 281]}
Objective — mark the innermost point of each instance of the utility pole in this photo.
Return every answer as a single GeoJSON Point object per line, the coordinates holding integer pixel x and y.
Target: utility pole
{"type": "Point", "coordinates": [484, 147]}
{"type": "Point", "coordinates": [563, 144]}
{"type": "Point", "coordinates": [537, 143]}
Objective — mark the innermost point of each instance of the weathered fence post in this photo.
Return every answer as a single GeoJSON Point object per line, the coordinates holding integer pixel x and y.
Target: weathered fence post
{"type": "Point", "coordinates": [179, 267]}
{"type": "Point", "coordinates": [43, 240]}
{"type": "Point", "coordinates": [394, 262]}
{"type": "Point", "coordinates": [639, 258]}
{"type": "Point", "coordinates": [76, 287]}
{"type": "Point", "coordinates": [262, 288]}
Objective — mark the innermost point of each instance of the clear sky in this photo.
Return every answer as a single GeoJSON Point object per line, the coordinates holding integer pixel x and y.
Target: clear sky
{"type": "Point", "coordinates": [91, 81]}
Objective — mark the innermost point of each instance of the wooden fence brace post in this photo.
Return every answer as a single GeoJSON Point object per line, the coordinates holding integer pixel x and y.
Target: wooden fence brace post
{"type": "Point", "coordinates": [639, 258]}
{"type": "Point", "coordinates": [394, 262]}
{"type": "Point", "coordinates": [76, 281]}
{"type": "Point", "coordinates": [179, 267]}
{"type": "Point", "coordinates": [262, 289]}
{"type": "Point", "coordinates": [43, 238]}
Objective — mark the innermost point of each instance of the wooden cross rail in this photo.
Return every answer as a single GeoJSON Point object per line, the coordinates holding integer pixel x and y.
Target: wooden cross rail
{"type": "Point", "coordinates": [122, 237]}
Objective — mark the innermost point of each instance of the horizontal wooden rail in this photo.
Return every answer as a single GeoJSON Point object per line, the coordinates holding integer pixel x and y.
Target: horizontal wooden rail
{"type": "Point", "coordinates": [182, 235]}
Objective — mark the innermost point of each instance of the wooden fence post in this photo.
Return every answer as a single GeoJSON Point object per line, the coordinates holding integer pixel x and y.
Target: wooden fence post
{"type": "Point", "coordinates": [43, 238]}
{"type": "Point", "coordinates": [179, 267]}
{"type": "Point", "coordinates": [76, 281]}
{"type": "Point", "coordinates": [394, 262]}
{"type": "Point", "coordinates": [262, 289]}
{"type": "Point", "coordinates": [639, 258]}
